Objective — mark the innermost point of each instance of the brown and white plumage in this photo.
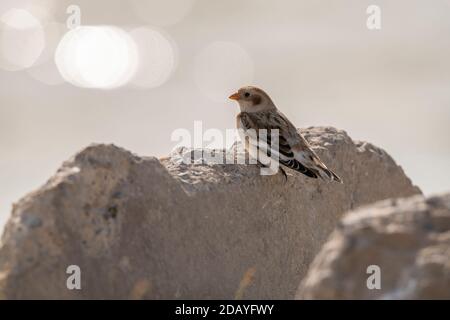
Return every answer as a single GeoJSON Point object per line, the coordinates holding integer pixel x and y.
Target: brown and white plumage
{"type": "Point", "coordinates": [259, 112]}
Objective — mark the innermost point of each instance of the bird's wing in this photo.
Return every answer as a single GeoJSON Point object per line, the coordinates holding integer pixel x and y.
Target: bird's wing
{"type": "Point", "coordinates": [251, 123]}
{"type": "Point", "coordinates": [304, 154]}
{"type": "Point", "coordinates": [293, 149]}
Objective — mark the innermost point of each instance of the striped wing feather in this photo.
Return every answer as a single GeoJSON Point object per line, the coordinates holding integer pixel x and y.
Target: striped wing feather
{"type": "Point", "coordinates": [261, 120]}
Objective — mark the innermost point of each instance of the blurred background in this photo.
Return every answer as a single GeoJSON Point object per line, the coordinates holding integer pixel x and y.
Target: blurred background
{"type": "Point", "coordinates": [135, 71]}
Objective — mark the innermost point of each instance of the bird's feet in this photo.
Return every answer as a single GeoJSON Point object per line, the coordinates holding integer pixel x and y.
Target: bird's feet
{"type": "Point", "coordinates": [284, 174]}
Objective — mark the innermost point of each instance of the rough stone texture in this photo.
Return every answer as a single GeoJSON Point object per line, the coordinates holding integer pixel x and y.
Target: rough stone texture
{"type": "Point", "coordinates": [409, 239]}
{"type": "Point", "coordinates": [140, 227]}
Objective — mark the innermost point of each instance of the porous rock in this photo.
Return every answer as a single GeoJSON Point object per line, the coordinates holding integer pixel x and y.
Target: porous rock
{"type": "Point", "coordinates": [405, 243]}
{"type": "Point", "coordinates": [139, 227]}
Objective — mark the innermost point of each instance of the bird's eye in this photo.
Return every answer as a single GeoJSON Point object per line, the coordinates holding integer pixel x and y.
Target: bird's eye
{"type": "Point", "coordinates": [246, 94]}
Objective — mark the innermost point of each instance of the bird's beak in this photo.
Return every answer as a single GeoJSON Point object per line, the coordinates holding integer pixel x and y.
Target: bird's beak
{"type": "Point", "coordinates": [234, 96]}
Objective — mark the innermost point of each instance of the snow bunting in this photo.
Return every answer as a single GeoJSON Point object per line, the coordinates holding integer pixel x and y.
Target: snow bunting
{"type": "Point", "coordinates": [259, 112]}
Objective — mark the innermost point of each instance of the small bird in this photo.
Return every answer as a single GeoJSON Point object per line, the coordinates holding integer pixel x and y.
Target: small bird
{"type": "Point", "coordinates": [259, 112]}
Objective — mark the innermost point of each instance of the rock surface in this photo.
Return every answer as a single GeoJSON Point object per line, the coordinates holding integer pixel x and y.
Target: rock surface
{"type": "Point", "coordinates": [139, 227]}
{"type": "Point", "coordinates": [408, 239]}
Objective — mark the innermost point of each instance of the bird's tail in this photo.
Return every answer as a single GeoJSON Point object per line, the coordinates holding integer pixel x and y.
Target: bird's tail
{"type": "Point", "coordinates": [327, 174]}
{"type": "Point", "coordinates": [313, 163]}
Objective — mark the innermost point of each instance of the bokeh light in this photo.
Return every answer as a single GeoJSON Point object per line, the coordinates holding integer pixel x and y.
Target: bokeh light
{"type": "Point", "coordinates": [44, 69]}
{"type": "Point", "coordinates": [157, 57]}
{"type": "Point", "coordinates": [221, 68]}
{"type": "Point", "coordinates": [162, 13]}
{"type": "Point", "coordinates": [101, 57]}
{"type": "Point", "coordinates": [22, 39]}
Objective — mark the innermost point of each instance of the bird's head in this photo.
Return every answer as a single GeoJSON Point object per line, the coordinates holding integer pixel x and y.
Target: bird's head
{"type": "Point", "coordinates": [253, 99]}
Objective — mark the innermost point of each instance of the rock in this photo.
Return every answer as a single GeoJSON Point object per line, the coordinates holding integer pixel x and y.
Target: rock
{"type": "Point", "coordinates": [407, 239]}
{"type": "Point", "coordinates": [139, 227]}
